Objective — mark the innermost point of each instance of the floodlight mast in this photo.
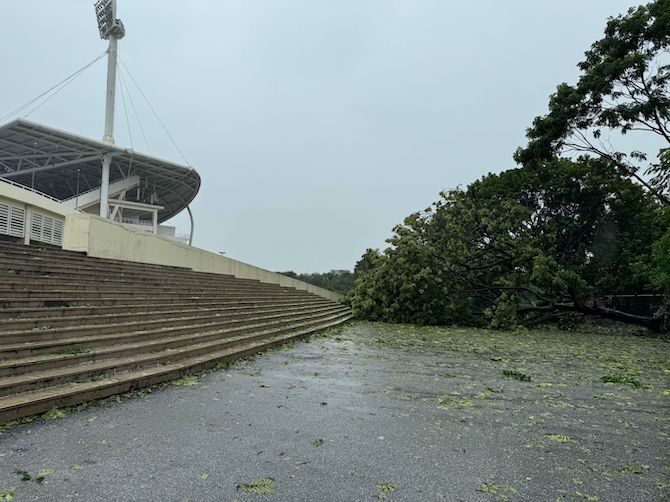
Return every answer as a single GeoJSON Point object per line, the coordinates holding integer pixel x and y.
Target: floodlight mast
{"type": "Point", "coordinates": [111, 29]}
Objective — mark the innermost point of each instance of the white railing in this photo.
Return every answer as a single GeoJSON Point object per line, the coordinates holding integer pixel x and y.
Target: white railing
{"type": "Point", "coordinates": [30, 189]}
{"type": "Point", "coordinates": [137, 223]}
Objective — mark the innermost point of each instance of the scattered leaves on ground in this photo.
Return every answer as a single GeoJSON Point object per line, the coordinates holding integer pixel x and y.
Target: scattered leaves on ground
{"type": "Point", "coordinates": [186, 380]}
{"type": "Point", "coordinates": [9, 494]}
{"type": "Point", "coordinates": [53, 414]}
{"type": "Point", "coordinates": [561, 438]}
{"type": "Point", "coordinates": [622, 379]}
{"type": "Point", "coordinates": [266, 485]}
{"type": "Point", "coordinates": [384, 489]}
{"type": "Point", "coordinates": [516, 375]}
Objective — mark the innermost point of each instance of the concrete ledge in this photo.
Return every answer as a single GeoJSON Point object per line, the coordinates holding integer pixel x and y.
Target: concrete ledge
{"type": "Point", "coordinates": [105, 239]}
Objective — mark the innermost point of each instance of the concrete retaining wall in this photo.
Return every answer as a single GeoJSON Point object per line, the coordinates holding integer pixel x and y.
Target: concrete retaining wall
{"type": "Point", "coordinates": [105, 239]}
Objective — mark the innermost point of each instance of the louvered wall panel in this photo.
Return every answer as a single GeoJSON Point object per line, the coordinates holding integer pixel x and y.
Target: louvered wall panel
{"type": "Point", "coordinates": [43, 228]}
{"type": "Point", "coordinates": [4, 219]}
{"type": "Point", "coordinates": [46, 229]}
{"type": "Point", "coordinates": [12, 220]}
{"type": "Point", "coordinates": [17, 221]}
{"type": "Point", "coordinates": [36, 227]}
{"type": "Point", "coordinates": [58, 232]}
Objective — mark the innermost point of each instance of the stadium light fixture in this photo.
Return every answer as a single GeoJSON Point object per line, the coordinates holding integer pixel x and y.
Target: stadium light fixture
{"type": "Point", "coordinates": [108, 25]}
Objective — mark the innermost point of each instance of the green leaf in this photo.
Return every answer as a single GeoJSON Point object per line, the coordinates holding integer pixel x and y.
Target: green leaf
{"type": "Point", "coordinates": [266, 485]}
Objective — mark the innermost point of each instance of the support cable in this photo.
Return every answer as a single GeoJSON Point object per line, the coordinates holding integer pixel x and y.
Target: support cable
{"type": "Point", "coordinates": [57, 87]}
{"type": "Point", "coordinates": [130, 131]}
{"type": "Point", "coordinates": [154, 111]}
{"type": "Point", "coordinates": [132, 106]}
{"type": "Point", "coordinates": [125, 113]}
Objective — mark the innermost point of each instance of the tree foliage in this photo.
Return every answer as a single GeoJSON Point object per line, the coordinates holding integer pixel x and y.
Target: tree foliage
{"type": "Point", "coordinates": [340, 281]}
{"type": "Point", "coordinates": [624, 87]}
{"type": "Point", "coordinates": [550, 239]}
{"type": "Point", "coordinates": [520, 247]}
{"type": "Point", "coordinates": [661, 254]}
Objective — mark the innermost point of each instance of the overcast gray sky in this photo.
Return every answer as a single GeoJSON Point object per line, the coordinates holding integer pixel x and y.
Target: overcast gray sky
{"type": "Point", "coordinates": [316, 125]}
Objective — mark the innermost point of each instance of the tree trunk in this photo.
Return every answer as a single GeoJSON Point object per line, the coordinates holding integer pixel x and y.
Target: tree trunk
{"type": "Point", "coordinates": [656, 323]}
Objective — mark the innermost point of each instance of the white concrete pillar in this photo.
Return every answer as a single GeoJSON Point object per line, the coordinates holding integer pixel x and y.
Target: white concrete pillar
{"type": "Point", "coordinates": [155, 221]}
{"type": "Point", "coordinates": [28, 225]}
{"type": "Point", "coordinates": [111, 90]}
{"type": "Point", "coordinates": [104, 186]}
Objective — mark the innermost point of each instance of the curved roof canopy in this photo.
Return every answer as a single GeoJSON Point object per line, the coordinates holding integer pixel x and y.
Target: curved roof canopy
{"type": "Point", "coordinates": [50, 160]}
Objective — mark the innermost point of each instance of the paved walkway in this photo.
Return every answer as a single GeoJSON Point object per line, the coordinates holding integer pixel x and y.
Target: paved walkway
{"type": "Point", "coordinates": [359, 415]}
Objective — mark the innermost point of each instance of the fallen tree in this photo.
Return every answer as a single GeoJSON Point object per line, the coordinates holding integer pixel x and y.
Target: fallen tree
{"type": "Point", "coordinates": [548, 240]}
{"type": "Point", "coordinates": [528, 245]}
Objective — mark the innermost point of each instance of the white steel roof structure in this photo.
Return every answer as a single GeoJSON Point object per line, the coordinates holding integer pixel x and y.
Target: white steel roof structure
{"type": "Point", "coordinates": [65, 165]}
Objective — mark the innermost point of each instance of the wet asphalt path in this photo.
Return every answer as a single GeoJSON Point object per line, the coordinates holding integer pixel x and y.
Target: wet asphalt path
{"type": "Point", "coordinates": [351, 417]}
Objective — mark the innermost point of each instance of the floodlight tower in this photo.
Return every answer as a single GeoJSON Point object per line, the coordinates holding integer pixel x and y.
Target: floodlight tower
{"type": "Point", "coordinates": [111, 29]}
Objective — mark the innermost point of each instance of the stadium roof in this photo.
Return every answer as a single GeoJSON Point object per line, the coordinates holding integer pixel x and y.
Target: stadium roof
{"type": "Point", "coordinates": [47, 159]}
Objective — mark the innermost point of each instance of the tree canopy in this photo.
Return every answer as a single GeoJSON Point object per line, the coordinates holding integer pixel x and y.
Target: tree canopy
{"type": "Point", "coordinates": [524, 246]}
{"type": "Point", "coordinates": [551, 239]}
{"type": "Point", "coordinates": [624, 87]}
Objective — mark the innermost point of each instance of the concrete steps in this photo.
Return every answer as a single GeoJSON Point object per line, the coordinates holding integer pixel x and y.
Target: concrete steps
{"type": "Point", "coordinates": [24, 304]}
{"type": "Point", "coordinates": [74, 328]}
{"type": "Point", "coordinates": [36, 314]}
{"type": "Point", "coordinates": [140, 358]}
{"type": "Point", "coordinates": [55, 298]}
{"type": "Point", "coordinates": [85, 331]}
{"type": "Point", "coordinates": [31, 403]}
{"type": "Point", "coordinates": [20, 365]}
{"type": "Point", "coordinates": [16, 281]}
{"type": "Point", "coordinates": [142, 313]}
{"type": "Point", "coordinates": [102, 291]}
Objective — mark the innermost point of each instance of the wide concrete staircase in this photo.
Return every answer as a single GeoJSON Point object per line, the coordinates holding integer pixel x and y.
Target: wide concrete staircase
{"type": "Point", "coordinates": [75, 328]}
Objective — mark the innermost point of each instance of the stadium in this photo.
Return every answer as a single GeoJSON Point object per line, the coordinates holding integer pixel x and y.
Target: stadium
{"type": "Point", "coordinates": [142, 190]}
{"type": "Point", "coordinates": [98, 296]}
{"type": "Point", "coordinates": [64, 189]}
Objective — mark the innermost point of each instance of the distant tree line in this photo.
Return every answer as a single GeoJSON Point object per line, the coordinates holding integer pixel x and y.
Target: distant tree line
{"type": "Point", "coordinates": [340, 281]}
{"type": "Point", "coordinates": [577, 220]}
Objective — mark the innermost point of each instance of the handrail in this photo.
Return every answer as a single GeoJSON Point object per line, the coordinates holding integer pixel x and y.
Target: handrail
{"type": "Point", "coordinates": [33, 190]}
{"type": "Point", "coordinates": [132, 221]}
{"type": "Point", "coordinates": [30, 189]}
